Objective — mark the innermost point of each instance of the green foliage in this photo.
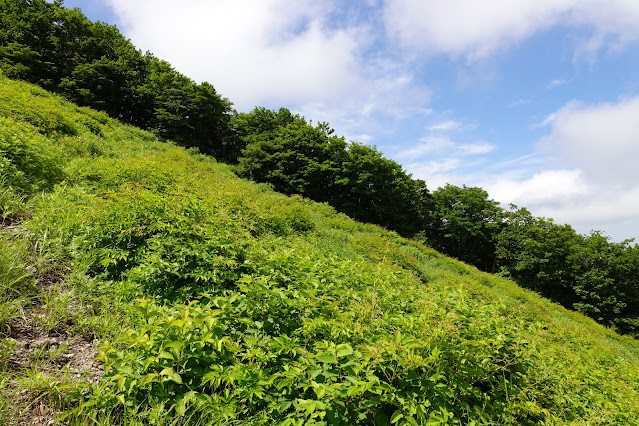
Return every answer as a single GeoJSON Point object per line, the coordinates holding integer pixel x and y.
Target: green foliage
{"type": "Point", "coordinates": [33, 106]}
{"type": "Point", "coordinates": [94, 65]}
{"type": "Point", "coordinates": [535, 252]}
{"type": "Point", "coordinates": [25, 40]}
{"type": "Point", "coordinates": [12, 203]}
{"type": "Point", "coordinates": [589, 274]}
{"type": "Point", "coordinates": [231, 357]}
{"type": "Point", "coordinates": [464, 224]}
{"type": "Point", "coordinates": [296, 157]}
{"type": "Point", "coordinates": [166, 247]}
{"type": "Point", "coordinates": [28, 162]}
{"type": "Point", "coordinates": [258, 308]}
{"type": "Point", "coordinates": [16, 282]}
{"type": "Point", "coordinates": [375, 189]}
{"type": "Point", "coordinates": [189, 114]}
{"type": "Point", "coordinates": [606, 281]}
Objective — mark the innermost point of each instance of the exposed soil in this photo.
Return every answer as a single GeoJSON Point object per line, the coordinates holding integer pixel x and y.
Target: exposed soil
{"type": "Point", "coordinates": [60, 358]}
{"type": "Point", "coordinates": [56, 353]}
{"type": "Point", "coordinates": [9, 222]}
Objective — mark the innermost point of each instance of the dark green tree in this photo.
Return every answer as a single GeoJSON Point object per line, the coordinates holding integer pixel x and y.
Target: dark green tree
{"type": "Point", "coordinates": [259, 124]}
{"type": "Point", "coordinates": [607, 281]}
{"type": "Point", "coordinates": [107, 70]}
{"type": "Point", "coordinates": [589, 274]}
{"type": "Point", "coordinates": [375, 189]}
{"type": "Point", "coordinates": [27, 44]}
{"type": "Point", "coordinates": [209, 117]}
{"type": "Point", "coordinates": [464, 224]}
{"type": "Point", "coordinates": [296, 158]}
{"type": "Point", "coordinates": [299, 158]}
{"type": "Point", "coordinates": [536, 252]}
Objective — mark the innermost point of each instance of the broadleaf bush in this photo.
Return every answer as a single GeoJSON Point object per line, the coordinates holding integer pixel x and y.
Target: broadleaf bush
{"type": "Point", "coordinates": [218, 301]}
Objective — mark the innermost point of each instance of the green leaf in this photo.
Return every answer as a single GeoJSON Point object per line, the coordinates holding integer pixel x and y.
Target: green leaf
{"type": "Point", "coordinates": [166, 355]}
{"type": "Point", "coordinates": [327, 358]}
{"type": "Point", "coordinates": [180, 407]}
{"type": "Point", "coordinates": [320, 389]}
{"type": "Point", "coordinates": [397, 415]}
{"type": "Point", "coordinates": [344, 350]}
{"type": "Point", "coordinates": [148, 378]}
{"type": "Point", "coordinates": [120, 398]}
{"type": "Point", "coordinates": [169, 372]}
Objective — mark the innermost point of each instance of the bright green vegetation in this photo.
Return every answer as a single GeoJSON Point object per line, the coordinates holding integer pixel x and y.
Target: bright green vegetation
{"type": "Point", "coordinates": [214, 300]}
{"type": "Point", "coordinates": [94, 65]}
{"type": "Point", "coordinates": [587, 273]}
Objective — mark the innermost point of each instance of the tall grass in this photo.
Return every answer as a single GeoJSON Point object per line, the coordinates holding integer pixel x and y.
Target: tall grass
{"type": "Point", "coordinates": [219, 301]}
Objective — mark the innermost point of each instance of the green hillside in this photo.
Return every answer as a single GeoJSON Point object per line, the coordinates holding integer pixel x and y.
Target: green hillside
{"type": "Point", "coordinates": [207, 299]}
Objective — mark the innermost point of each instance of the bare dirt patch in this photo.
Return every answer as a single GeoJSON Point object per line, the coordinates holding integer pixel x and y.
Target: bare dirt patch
{"type": "Point", "coordinates": [47, 354]}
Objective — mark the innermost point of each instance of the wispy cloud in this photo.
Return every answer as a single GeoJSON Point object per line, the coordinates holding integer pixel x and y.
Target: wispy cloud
{"type": "Point", "coordinates": [555, 83]}
{"type": "Point", "coordinates": [545, 122]}
{"type": "Point", "coordinates": [478, 29]}
{"type": "Point", "coordinates": [477, 149]}
{"type": "Point", "coordinates": [519, 102]}
{"type": "Point", "coordinates": [429, 145]}
{"type": "Point", "coordinates": [445, 126]}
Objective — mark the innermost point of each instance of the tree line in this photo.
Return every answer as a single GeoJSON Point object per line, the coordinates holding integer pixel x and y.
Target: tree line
{"type": "Point", "coordinates": [92, 64]}
{"type": "Point", "coordinates": [587, 273]}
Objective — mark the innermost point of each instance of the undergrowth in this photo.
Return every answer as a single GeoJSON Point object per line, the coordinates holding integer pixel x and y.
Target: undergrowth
{"type": "Point", "coordinates": [207, 299]}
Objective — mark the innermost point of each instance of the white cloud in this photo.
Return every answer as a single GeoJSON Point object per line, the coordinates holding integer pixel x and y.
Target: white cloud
{"type": "Point", "coordinates": [569, 197]}
{"type": "Point", "coordinates": [601, 191]}
{"type": "Point", "coordinates": [429, 145]}
{"type": "Point", "coordinates": [445, 125]}
{"type": "Point", "coordinates": [544, 188]}
{"type": "Point", "coordinates": [601, 139]}
{"type": "Point", "coordinates": [435, 146]}
{"type": "Point", "coordinates": [437, 173]}
{"type": "Point", "coordinates": [477, 148]}
{"type": "Point", "coordinates": [273, 53]}
{"type": "Point", "coordinates": [252, 50]}
{"type": "Point", "coordinates": [476, 29]}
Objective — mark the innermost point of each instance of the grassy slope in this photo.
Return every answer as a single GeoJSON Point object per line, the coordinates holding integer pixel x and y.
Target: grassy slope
{"type": "Point", "coordinates": [288, 310]}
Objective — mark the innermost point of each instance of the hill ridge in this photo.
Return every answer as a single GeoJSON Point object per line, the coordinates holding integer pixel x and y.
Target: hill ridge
{"type": "Point", "coordinates": [218, 300]}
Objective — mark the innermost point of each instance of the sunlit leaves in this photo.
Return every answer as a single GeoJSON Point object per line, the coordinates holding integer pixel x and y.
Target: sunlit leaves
{"type": "Point", "coordinates": [257, 308]}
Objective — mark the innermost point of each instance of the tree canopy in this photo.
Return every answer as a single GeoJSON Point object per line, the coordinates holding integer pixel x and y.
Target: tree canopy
{"type": "Point", "coordinates": [94, 65]}
{"type": "Point", "coordinates": [464, 224]}
{"type": "Point", "coordinates": [297, 157]}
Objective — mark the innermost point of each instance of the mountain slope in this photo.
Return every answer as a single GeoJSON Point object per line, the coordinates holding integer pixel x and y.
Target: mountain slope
{"type": "Point", "coordinates": [212, 300]}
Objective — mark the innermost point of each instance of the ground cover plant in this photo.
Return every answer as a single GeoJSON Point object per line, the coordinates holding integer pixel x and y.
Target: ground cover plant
{"type": "Point", "coordinates": [145, 284]}
{"type": "Point", "coordinates": [93, 64]}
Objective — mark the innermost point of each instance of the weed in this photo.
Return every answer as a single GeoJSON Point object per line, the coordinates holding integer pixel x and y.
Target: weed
{"type": "Point", "coordinates": [218, 301]}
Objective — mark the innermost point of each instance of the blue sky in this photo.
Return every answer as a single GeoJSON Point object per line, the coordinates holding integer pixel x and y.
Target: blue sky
{"type": "Point", "coordinates": [536, 101]}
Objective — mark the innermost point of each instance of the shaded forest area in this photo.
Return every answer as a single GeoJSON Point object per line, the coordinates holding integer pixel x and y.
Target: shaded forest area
{"type": "Point", "coordinates": [93, 64]}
